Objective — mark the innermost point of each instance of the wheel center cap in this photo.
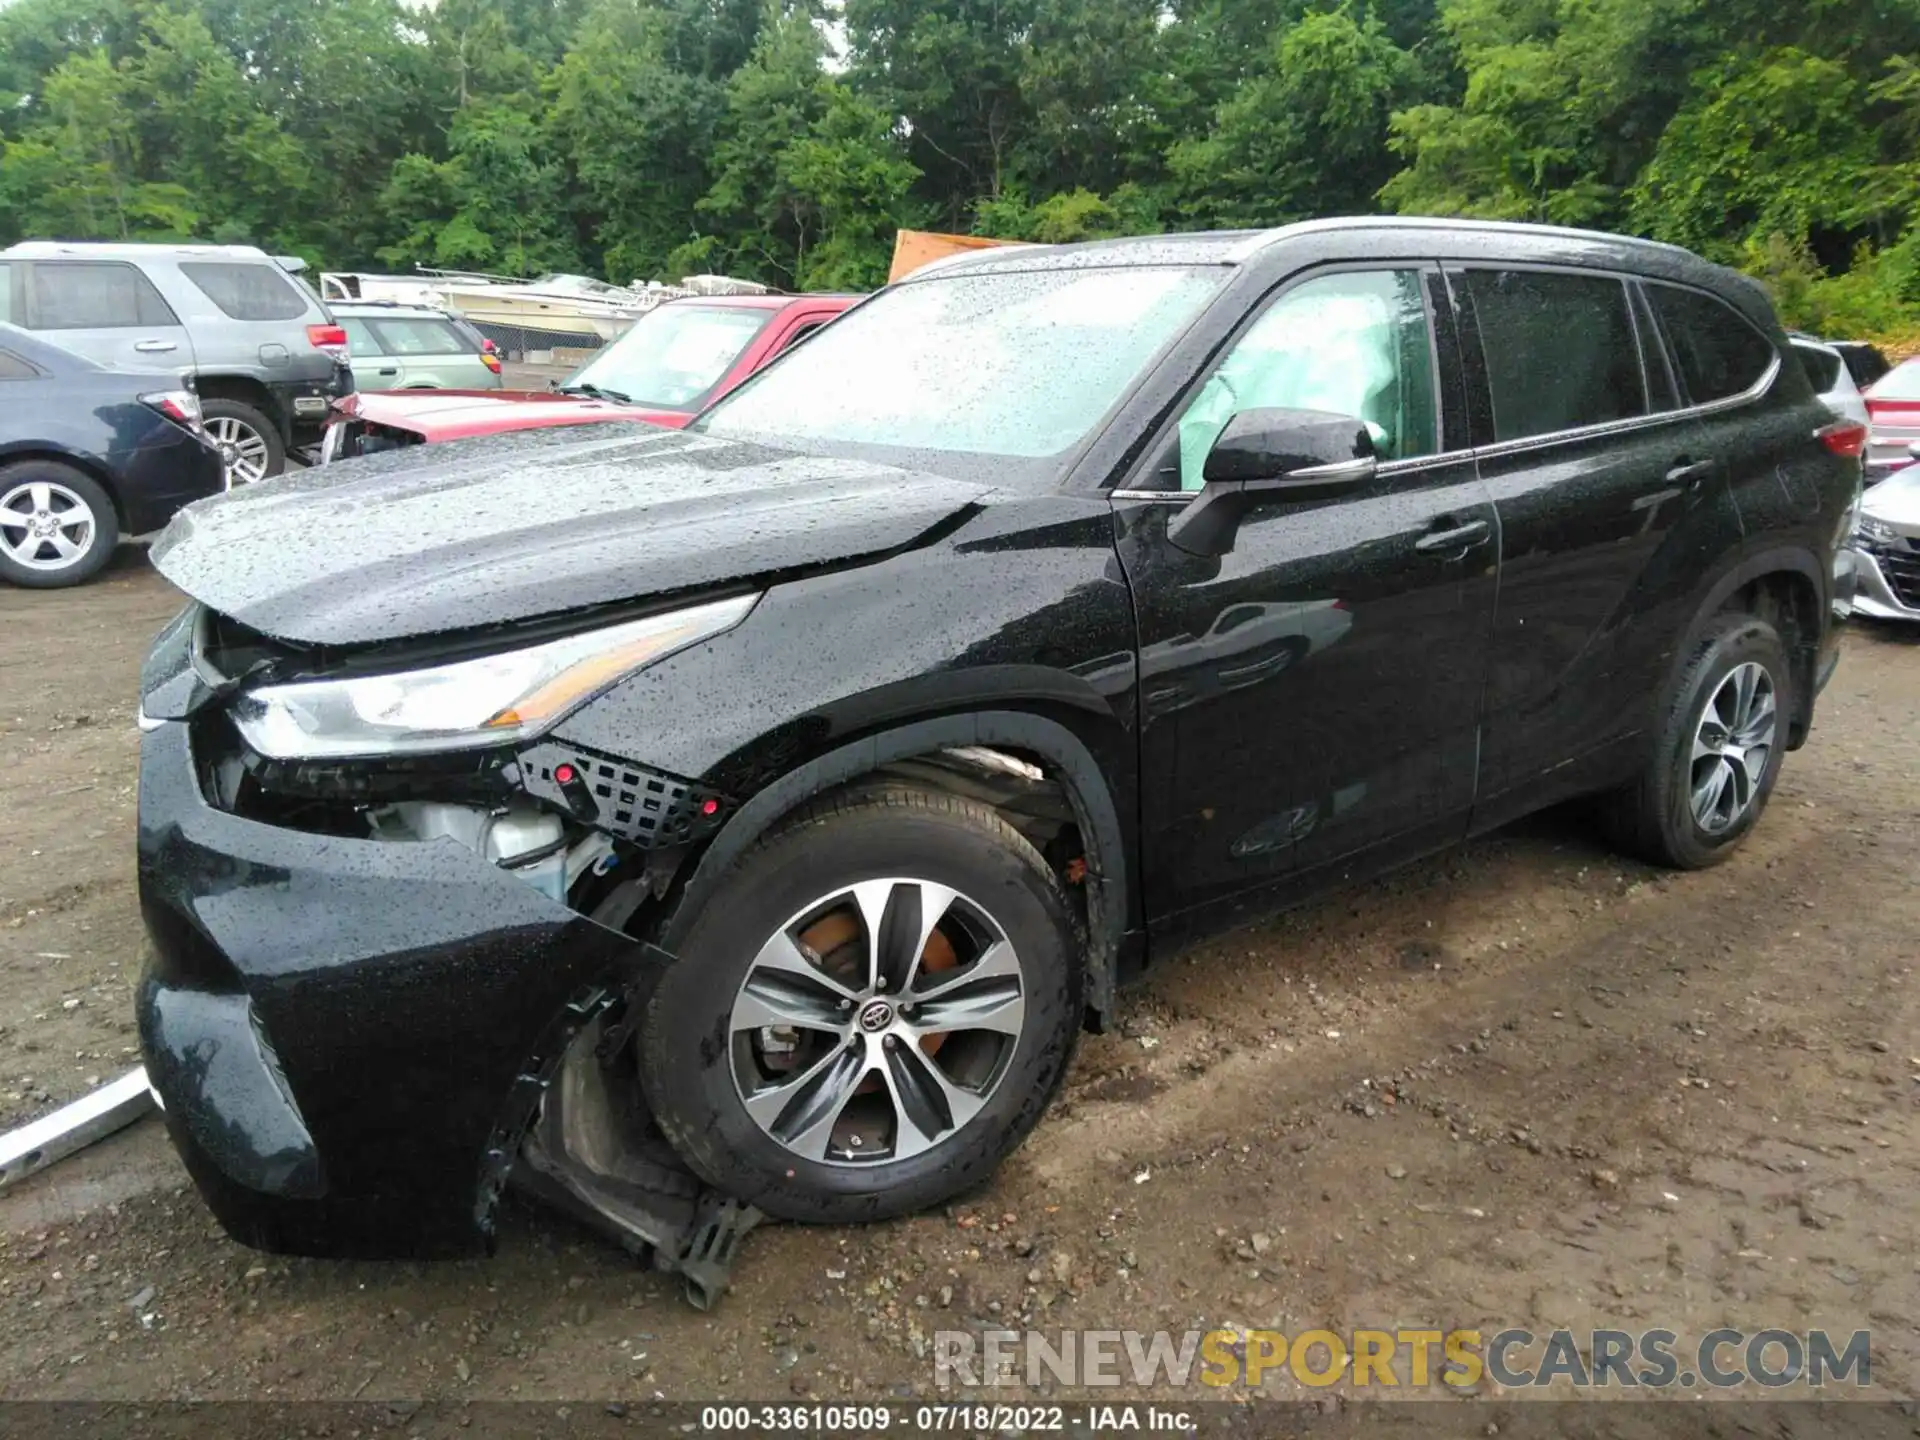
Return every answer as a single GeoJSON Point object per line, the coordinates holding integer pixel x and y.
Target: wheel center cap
{"type": "Point", "coordinates": [875, 1016]}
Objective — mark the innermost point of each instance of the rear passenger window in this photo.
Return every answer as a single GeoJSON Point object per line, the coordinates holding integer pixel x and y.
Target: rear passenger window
{"type": "Point", "coordinates": [1719, 354]}
{"type": "Point", "coordinates": [246, 292]}
{"type": "Point", "coordinates": [1560, 351]}
{"type": "Point", "coordinates": [360, 341]}
{"type": "Point", "coordinates": [92, 295]}
{"type": "Point", "coordinates": [419, 337]}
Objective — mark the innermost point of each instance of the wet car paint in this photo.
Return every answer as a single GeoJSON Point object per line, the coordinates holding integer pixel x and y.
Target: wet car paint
{"type": "Point", "coordinates": [92, 417]}
{"type": "Point", "coordinates": [335, 947]}
{"type": "Point", "coordinates": [962, 613]}
{"type": "Point", "coordinates": [510, 527]}
{"type": "Point", "coordinates": [437, 416]}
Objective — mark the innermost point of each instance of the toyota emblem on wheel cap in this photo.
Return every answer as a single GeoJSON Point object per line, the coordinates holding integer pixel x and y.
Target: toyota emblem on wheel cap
{"type": "Point", "coordinates": [875, 1016]}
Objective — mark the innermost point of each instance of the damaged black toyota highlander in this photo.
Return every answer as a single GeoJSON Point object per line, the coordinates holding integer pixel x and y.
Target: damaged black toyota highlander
{"type": "Point", "coordinates": [760, 811]}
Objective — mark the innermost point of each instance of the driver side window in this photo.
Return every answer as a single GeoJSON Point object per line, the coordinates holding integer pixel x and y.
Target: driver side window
{"type": "Point", "coordinates": [1356, 344]}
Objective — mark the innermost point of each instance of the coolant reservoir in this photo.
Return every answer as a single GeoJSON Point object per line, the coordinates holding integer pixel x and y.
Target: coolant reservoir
{"type": "Point", "coordinates": [523, 832]}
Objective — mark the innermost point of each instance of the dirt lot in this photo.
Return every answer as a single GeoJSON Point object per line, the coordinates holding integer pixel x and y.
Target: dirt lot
{"type": "Point", "coordinates": [1524, 1084]}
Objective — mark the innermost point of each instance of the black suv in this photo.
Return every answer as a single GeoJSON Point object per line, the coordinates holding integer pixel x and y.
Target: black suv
{"type": "Point", "coordinates": [777, 799]}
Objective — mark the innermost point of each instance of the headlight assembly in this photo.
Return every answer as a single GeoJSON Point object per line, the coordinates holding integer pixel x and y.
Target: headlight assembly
{"type": "Point", "coordinates": [488, 700]}
{"type": "Point", "coordinates": [1877, 532]}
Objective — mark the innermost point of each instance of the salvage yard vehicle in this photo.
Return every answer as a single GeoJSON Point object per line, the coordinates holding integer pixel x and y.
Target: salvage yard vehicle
{"type": "Point", "coordinates": [676, 359]}
{"type": "Point", "coordinates": [1893, 403]}
{"type": "Point", "coordinates": [89, 454]}
{"type": "Point", "coordinates": [415, 347]}
{"type": "Point", "coordinates": [1828, 374]}
{"type": "Point", "coordinates": [778, 798]}
{"type": "Point", "coordinates": [1886, 546]}
{"type": "Point", "coordinates": [266, 357]}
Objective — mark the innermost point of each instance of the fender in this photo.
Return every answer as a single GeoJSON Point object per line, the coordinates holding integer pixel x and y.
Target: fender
{"type": "Point", "coordinates": [1113, 943]}
{"type": "Point", "coordinates": [1792, 559]}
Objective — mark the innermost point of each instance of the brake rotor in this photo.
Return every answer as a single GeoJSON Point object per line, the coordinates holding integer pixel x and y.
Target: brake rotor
{"type": "Point", "coordinates": [835, 933]}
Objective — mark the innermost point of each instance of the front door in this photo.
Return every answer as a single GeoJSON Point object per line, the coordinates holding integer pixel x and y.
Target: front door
{"type": "Point", "coordinates": [1312, 696]}
{"type": "Point", "coordinates": [106, 310]}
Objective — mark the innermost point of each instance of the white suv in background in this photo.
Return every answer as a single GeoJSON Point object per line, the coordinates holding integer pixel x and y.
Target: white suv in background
{"type": "Point", "coordinates": [267, 358]}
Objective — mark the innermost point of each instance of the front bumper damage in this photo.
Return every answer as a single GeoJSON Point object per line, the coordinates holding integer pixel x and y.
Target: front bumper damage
{"type": "Point", "coordinates": [355, 1041]}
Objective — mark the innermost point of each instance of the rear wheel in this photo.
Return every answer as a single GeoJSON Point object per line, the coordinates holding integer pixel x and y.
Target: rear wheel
{"type": "Point", "coordinates": [57, 526]}
{"type": "Point", "coordinates": [1718, 752]}
{"type": "Point", "coordinates": [872, 1011]}
{"type": "Point", "coordinates": [249, 443]}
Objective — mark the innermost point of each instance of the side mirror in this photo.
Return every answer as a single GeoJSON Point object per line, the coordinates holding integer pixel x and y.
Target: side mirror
{"type": "Point", "coordinates": [1272, 456]}
{"type": "Point", "coordinates": [1914, 449]}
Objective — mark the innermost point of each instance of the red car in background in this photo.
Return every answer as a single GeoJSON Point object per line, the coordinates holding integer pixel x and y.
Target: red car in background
{"type": "Point", "coordinates": [674, 362]}
{"type": "Point", "coordinates": [1893, 410]}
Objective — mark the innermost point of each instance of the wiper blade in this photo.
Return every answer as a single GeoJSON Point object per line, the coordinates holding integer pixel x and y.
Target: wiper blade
{"type": "Point", "coordinates": [596, 392]}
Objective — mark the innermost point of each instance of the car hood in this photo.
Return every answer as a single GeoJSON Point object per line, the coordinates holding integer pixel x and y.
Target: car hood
{"type": "Point", "coordinates": [510, 527]}
{"type": "Point", "coordinates": [437, 415]}
{"type": "Point", "coordinates": [1896, 500]}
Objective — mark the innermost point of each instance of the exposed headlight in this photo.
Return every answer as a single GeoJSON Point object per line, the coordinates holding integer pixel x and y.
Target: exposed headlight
{"type": "Point", "coordinates": [1875, 531]}
{"type": "Point", "coordinates": [484, 701]}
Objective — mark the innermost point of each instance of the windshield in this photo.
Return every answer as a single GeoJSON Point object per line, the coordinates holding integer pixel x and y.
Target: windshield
{"type": "Point", "coordinates": [1019, 364]}
{"type": "Point", "coordinates": [672, 356]}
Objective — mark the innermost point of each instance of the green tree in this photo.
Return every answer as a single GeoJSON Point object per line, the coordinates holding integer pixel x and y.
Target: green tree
{"type": "Point", "coordinates": [1770, 146]}
{"type": "Point", "coordinates": [809, 180]}
{"type": "Point", "coordinates": [496, 203]}
{"type": "Point", "coordinates": [1305, 134]}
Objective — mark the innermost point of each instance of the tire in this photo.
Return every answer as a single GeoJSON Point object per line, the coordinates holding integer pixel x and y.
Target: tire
{"type": "Point", "coordinates": [33, 556]}
{"type": "Point", "coordinates": [698, 1062]}
{"type": "Point", "coordinates": [250, 444]}
{"type": "Point", "coordinates": [1657, 816]}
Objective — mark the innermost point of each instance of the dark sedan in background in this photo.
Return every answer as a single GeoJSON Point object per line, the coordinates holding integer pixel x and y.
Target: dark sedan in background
{"type": "Point", "coordinates": [89, 455]}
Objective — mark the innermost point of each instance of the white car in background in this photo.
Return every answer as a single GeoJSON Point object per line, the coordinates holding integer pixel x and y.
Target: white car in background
{"type": "Point", "coordinates": [1828, 371]}
{"type": "Point", "coordinates": [1886, 546]}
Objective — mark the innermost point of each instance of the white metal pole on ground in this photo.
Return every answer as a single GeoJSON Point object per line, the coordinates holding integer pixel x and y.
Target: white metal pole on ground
{"type": "Point", "coordinates": [37, 1144]}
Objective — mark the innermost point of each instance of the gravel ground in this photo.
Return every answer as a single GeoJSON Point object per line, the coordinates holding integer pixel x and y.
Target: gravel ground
{"type": "Point", "coordinates": [1527, 1083]}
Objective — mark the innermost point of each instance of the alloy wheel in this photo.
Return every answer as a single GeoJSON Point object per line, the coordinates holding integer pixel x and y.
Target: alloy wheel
{"type": "Point", "coordinates": [45, 526]}
{"type": "Point", "coordinates": [1731, 747]}
{"type": "Point", "coordinates": [243, 449]}
{"type": "Point", "coordinates": [877, 1022]}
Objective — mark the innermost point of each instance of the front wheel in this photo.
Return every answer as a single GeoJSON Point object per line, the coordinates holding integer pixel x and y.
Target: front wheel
{"type": "Point", "coordinates": [1718, 752]}
{"type": "Point", "coordinates": [870, 1013]}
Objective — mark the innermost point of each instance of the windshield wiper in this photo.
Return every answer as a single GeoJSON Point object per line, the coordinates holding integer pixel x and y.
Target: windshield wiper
{"type": "Point", "coordinates": [596, 392]}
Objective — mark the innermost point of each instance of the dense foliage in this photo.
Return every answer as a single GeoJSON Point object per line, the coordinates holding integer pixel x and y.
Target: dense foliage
{"type": "Point", "coordinates": [787, 141]}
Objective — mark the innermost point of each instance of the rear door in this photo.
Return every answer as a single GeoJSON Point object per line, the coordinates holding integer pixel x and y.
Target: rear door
{"type": "Point", "coordinates": [106, 310]}
{"type": "Point", "coordinates": [1592, 465]}
{"type": "Point", "coordinates": [373, 368]}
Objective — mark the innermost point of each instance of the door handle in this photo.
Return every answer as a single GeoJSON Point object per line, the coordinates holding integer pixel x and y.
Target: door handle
{"type": "Point", "coordinates": [1461, 537]}
{"type": "Point", "coordinates": [155, 347]}
{"type": "Point", "coordinates": [390, 370]}
{"type": "Point", "coordinates": [1689, 472]}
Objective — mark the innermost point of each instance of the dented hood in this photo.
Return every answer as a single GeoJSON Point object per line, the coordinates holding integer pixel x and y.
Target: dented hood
{"type": "Point", "coordinates": [477, 532]}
